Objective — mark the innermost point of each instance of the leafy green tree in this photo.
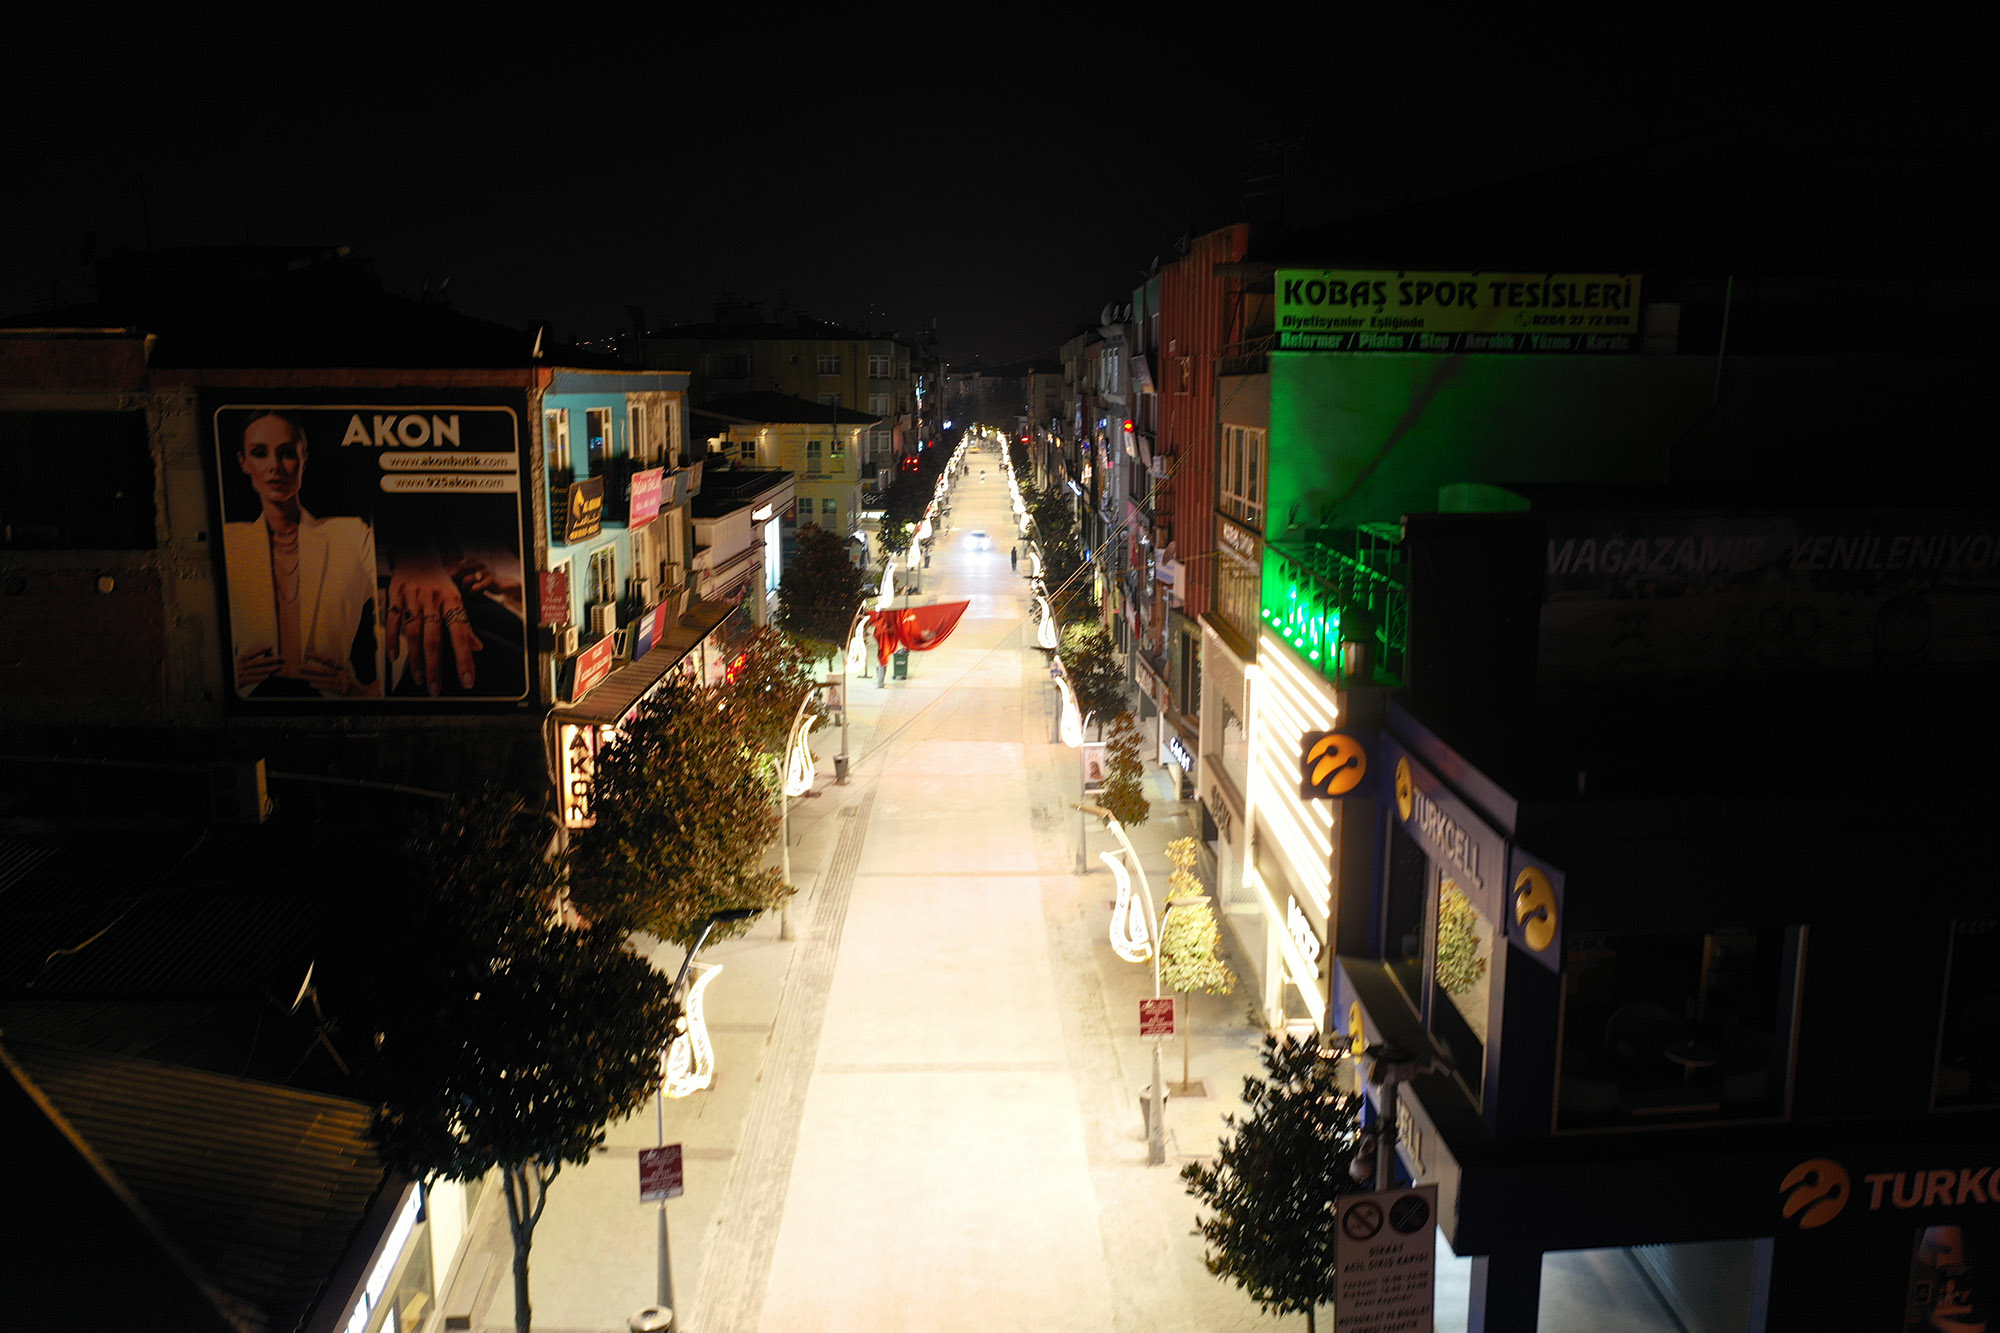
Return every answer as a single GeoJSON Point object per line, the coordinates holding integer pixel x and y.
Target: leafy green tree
{"type": "Point", "coordinates": [772, 674]}
{"type": "Point", "coordinates": [516, 1037]}
{"type": "Point", "coordinates": [822, 590]}
{"type": "Point", "coordinates": [1270, 1194]}
{"type": "Point", "coordinates": [1094, 674]}
{"type": "Point", "coordinates": [1124, 793]}
{"type": "Point", "coordinates": [903, 506]}
{"type": "Point", "coordinates": [684, 812]}
{"type": "Point", "coordinates": [1190, 940]}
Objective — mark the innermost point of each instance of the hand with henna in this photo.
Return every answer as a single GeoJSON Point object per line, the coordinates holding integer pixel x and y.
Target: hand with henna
{"type": "Point", "coordinates": [254, 666]}
{"type": "Point", "coordinates": [424, 606]}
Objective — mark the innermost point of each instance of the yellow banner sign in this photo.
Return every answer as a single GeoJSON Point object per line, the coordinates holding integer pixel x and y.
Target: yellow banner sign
{"type": "Point", "coordinates": [1397, 310]}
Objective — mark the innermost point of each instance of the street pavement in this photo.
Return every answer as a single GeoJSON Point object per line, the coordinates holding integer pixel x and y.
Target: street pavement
{"type": "Point", "coordinates": [926, 1112]}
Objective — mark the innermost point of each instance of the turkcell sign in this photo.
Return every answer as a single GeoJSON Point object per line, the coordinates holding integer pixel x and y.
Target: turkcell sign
{"type": "Point", "coordinates": [1398, 310]}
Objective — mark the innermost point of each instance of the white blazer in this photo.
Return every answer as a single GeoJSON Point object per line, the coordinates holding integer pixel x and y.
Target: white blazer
{"type": "Point", "coordinates": [336, 583]}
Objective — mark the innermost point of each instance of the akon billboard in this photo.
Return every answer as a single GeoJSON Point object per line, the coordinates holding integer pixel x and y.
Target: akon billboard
{"type": "Point", "coordinates": [371, 551]}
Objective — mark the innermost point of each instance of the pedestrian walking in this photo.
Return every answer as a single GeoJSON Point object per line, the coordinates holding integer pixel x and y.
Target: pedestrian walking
{"type": "Point", "coordinates": [1014, 558]}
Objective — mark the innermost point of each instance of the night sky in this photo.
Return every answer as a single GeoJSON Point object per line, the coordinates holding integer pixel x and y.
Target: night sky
{"type": "Point", "coordinates": [1009, 179]}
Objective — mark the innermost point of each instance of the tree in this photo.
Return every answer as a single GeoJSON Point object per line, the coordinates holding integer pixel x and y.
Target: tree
{"type": "Point", "coordinates": [1124, 793]}
{"type": "Point", "coordinates": [903, 506]}
{"type": "Point", "coordinates": [1189, 940]}
{"type": "Point", "coordinates": [1270, 1194]}
{"type": "Point", "coordinates": [516, 1036]}
{"type": "Point", "coordinates": [1094, 674]}
{"type": "Point", "coordinates": [769, 677]}
{"type": "Point", "coordinates": [821, 591]}
{"type": "Point", "coordinates": [684, 812]}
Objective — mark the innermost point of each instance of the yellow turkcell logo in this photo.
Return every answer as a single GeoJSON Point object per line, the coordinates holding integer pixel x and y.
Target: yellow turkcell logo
{"type": "Point", "coordinates": [1535, 908]}
{"type": "Point", "coordinates": [1819, 1189]}
{"type": "Point", "coordinates": [1406, 789]}
{"type": "Point", "coordinates": [1332, 765]}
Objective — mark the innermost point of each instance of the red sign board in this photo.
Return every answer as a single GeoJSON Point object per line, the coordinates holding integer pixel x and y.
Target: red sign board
{"type": "Point", "coordinates": [1156, 1017]}
{"type": "Point", "coordinates": [593, 665]}
{"type": "Point", "coordinates": [645, 496]}
{"type": "Point", "coordinates": [555, 597]}
{"type": "Point", "coordinates": [660, 1173]}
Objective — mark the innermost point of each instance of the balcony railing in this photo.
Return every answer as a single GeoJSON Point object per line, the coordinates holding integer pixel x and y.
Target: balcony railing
{"type": "Point", "coordinates": [1317, 597]}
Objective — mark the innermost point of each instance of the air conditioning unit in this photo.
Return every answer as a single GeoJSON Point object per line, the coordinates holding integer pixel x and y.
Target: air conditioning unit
{"type": "Point", "coordinates": [603, 618]}
{"type": "Point", "coordinates": [1160, 468]}
{"type": "Point", "coordinates": [566, 637]}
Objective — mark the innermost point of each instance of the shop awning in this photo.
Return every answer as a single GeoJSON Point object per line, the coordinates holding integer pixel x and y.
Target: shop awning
{"type": "Point", "coordinates": [625, 687]}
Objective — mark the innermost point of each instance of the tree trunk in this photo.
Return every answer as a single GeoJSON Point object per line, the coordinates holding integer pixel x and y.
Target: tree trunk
{"type": "Point", "coordinates": [521, 1218]}
{"type": "Point", "coordinates": [1310, 1325]}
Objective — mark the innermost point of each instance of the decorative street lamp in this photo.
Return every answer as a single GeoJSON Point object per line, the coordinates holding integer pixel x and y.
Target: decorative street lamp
{"type": "Point", "coordinates": [686, 1052]}
{"type": "Point", "coordinates": [1156, 1133]}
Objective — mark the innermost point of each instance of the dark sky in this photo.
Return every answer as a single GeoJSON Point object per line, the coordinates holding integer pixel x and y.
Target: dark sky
{"type": "Point", "coordinates": [1009, 179]}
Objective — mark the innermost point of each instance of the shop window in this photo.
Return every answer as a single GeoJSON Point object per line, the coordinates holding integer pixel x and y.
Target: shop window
{"type": "Point", "coordinates": [1461, 977]}
{"type": "Point", "coordinates": [1670, 1026]}
{"type": "Point", "coordinates": [1403, 914]}
{"type": "Point", "coordinates": [1968, 1071]}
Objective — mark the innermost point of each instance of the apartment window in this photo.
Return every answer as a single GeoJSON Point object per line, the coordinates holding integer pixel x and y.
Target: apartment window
{"type": "Point", "coordinates": [555, 442]}
{"type": "Point", "coordinates": [878, 367]}
{"type": "Point", "coordinates": [1240, 479]}
{"type": "Point", "coordinates": [641, 445]}
{"type": "Point", "coordinates": [82, 481]}
{"type": "Point", "coordinates": [597, 438]}
{"type": "Point", "coordinates": [880, 443]}
{"type": "Point", "coordinates": [829, 515]}
{"type": "Point", "coordinates": [604, 575]}
{"type": "Point", "coordinates": [829, 363]}
{"type": "Point", "coordinates": [878, 404]}
{"type": "Point", "coordinates": [812, 458]}
{"type": "Point", "coordinates": [1236, 591]}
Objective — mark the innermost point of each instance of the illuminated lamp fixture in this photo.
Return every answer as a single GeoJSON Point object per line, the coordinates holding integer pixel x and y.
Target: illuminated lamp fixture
{"type": "Point", "coordinates": [1045, 633]}
{"type": "Point", "coordinates": [857, 648]}
{"type": "Point", "coordinates": [691, 1056]}
{"type": "Point", "coordinates": [799, 770]}
{"type": "Point", "coordinates": [1072, 720]}
{"type": "Point", "coordinates": [1129, 939]}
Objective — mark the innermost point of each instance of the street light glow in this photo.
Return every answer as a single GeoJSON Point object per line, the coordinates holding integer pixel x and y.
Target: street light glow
{"type": "Point", "coordinates": [1129, 938]}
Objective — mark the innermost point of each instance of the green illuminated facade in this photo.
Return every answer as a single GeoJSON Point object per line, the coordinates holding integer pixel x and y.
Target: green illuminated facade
{"type": "Point", "coordinates": [1358, 439]}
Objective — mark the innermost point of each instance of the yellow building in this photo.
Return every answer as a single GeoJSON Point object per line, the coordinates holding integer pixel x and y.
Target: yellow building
{"type": "Point", "coordinates": [818, 443]}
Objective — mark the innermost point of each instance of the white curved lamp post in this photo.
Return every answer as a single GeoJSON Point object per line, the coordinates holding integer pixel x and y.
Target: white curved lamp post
{"type": "Point", "coordinates": [1156, 1132]}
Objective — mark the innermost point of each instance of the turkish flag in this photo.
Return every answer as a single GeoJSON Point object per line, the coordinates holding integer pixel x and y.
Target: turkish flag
{"type": "Point", "coordinates": [918, 628]}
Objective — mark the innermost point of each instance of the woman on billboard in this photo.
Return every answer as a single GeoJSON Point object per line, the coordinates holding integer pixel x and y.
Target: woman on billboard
{"type": "Point", "coordinates": [301, 588]}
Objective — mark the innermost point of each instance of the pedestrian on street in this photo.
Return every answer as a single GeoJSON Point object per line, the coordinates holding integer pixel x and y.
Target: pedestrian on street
{"type": "Point", "coordinates": [1014, 558]}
